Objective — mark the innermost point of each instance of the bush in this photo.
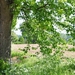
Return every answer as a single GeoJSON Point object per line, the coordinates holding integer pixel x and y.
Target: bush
{"type": "Point", "coordinates": [3, 67]}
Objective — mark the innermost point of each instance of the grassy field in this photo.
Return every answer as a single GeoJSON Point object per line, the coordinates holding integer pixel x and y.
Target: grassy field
{"type": "Point", "coordinates": [29, 64]}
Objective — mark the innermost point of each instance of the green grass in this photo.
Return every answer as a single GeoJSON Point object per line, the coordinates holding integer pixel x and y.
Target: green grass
{"type": "Point", "coordinates": [45, 66]}
{"type": "Point", "coordinates": [71, 49]}
{"type": "Point", "coordinates": [16, 53]}
{"type": "Point", "coordinates": [48, 65]}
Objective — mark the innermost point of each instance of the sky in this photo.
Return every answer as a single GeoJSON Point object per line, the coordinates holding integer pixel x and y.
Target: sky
{"type": "Point", "coordinates": [19, 22]}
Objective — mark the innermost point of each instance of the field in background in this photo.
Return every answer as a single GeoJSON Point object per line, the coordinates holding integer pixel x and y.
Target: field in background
{"type": "Point", "coordinates": [18, 47]}
{"type": "Point", "coordinates": [26, 64]}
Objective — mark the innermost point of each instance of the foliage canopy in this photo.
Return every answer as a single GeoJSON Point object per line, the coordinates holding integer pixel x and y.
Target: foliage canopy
{"type": "Point", "coordinates": [43, 19]}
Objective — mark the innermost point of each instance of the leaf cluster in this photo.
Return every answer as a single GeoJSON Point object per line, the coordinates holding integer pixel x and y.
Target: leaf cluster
{"type": "Point", "coordinates": [44, 19]}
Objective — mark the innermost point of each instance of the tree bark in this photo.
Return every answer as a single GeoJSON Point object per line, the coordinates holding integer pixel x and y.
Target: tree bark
{"type": "Point", "coordinates": [5, 29]}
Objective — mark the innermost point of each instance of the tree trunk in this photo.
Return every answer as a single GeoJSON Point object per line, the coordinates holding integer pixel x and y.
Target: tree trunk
{"type": "Point", "coordinates": [5, 29]}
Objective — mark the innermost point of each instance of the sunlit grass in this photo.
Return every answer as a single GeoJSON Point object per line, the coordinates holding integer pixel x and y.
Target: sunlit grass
{"type": "Point", "coordinates": [16, 53]}
{"type": "Point", "coordinates": [48, 65]}
{"type": "Point", "coordinates": [43, 66]}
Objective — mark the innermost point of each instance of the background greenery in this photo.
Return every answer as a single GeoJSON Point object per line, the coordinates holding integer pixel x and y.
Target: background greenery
{"type": "Point", "coordinates": [43, 22]}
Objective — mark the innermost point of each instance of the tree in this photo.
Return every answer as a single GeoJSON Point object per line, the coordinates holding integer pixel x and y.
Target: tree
{"type": "Point", "coordinates": [21, 40]}
{"type": "Point", "coordinates": [9, 9]}
{"type": "Point", "coordinates": [14, 37]}
{"type": "Point", "coordinates": [5, 28]}
{"type": "Point", "coordinates": [43, 17]}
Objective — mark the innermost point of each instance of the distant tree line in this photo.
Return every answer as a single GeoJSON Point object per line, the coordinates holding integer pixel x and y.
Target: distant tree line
{"type": "Point", "coordinates": [16, 39]}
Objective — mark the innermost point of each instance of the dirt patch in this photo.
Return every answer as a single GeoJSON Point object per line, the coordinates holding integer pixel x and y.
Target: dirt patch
{"type": "Point", "coordinates": [17, 47]}
{"type": "Point", "coordinates": [34, 48]}
{"type": "Point", "coordinates": [69, 54]}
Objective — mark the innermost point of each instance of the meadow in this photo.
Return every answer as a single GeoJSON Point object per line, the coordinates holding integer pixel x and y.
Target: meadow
{"type": "Point", "coordinates": [29, 64]}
